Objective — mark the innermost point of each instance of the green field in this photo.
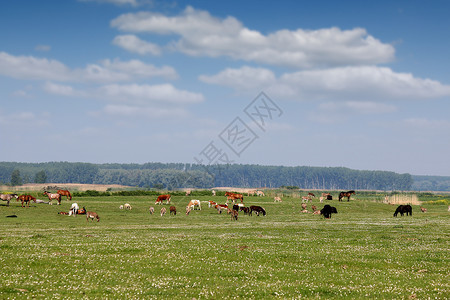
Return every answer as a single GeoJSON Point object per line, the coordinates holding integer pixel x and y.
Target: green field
{"type": "Point", "coordinates": [361, 252]}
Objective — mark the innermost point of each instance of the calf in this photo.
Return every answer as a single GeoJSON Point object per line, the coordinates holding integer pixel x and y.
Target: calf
{"type": "Point", "coordinates": [92, 215]}
{"type": "Point", "coordinates": [234, 215]}
{"type": "Point", "coordinates": [277, 199]}
{"type": "Point", "coordinates": [151, 210]}
{"type": "Point", "coordinates": [246, 210]}
{"type": "Point", "coordinates": [173, 210]}
{"type": "Point", "coordinates": [423, 209]}
{"type": "Point", "coordinates": [188, 210]}
{"type": "Point", "coordinates": [163, 211]}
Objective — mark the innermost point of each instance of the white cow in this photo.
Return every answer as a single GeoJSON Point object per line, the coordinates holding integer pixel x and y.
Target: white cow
{"type": "Point", "coordinates": [194, 203]}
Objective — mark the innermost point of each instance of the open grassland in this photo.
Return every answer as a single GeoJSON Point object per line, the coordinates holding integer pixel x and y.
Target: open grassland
{"type": "Point", "coordinates": [361, 252]}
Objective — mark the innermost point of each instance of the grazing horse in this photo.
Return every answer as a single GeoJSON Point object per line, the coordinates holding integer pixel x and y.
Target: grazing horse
{"type": "Point", "coordinates": [346, 194]}
{"type": "Point", "coordinates": [53, 196]}
{"type": "Point", "coordinates": [257, 210]}
{"type": "Point", "coordinates": [65, 193]}
{"type": "Point", "coordinates": [402, 209]}
{"type": "Point", "coordinates": [8, 197]}
{"type": "Point", "coordinates": [27, 199]}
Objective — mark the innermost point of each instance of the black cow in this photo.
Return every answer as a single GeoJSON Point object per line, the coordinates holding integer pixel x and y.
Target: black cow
{"type": "Point", "coordinates": [257, 210]}
{"type": "Point", "coordinates": [236, 207]}
{"type": "Point", "coordinates": [329, 197]}
{"type": "Point", "coordinates": [327, 210]}
{"type": "Point", "coordinates": [403, 209]}
{"type": "Point", "coordinates": [246, 210]}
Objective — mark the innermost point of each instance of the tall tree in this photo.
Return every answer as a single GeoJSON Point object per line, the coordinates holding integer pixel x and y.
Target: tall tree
{"type": "Point", "coordinates": [40, 177]}
{"type": "Point", "coordinates": [15, 178]}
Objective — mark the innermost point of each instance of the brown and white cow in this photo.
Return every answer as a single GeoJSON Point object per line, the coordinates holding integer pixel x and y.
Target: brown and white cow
{"type": "Point", "coordinates": [161, 198]}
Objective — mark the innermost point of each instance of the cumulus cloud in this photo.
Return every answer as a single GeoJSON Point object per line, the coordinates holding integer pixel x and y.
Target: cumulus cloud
{"type": "Point", "coordinates": [204, 35]}
{"type": "Point", "coordinates": [134, 44]}
{"type": "Point", "coordinates": [360, 107]}
{"type": "Point", "coordinates": [134, 111]}
{"type": "Point", "coordinates": [342, 83]}
{"type": "Point", "coordinates": [162, 93]}
{"type": "Point", "coordinates": [59, 89]}
{"type": "Point", "coordinates": [29, 67]}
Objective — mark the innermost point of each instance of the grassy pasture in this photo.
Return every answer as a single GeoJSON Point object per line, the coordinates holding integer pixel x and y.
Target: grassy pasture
{"type": "Point", "coordinates": [361, 252]}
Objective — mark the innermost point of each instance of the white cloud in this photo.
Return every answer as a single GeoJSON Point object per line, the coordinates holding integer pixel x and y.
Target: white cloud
{"type": "Point", "coordinates": [204, 35]}
{"type": "Point", "coordinates": [358, 83]}
{"type": "Point", "coordinates": [426, 124]}
{"type": "Point", "coordinates": [59, 89]}
{"type": "Point", "coordinates": [135, 45]}
{"type": "Point", "coordinates": [135, 111]}
{"type": "Point", "coordinates": [29, 67]}
{"type": "Point", "coordinates": [162, 93]}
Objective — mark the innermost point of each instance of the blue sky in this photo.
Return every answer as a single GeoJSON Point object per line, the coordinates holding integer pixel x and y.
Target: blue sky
{"type": "Point", "coordinates": [358, 84]}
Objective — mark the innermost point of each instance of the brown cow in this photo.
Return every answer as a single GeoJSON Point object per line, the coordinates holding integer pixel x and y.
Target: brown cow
{"type": "Point", "coordinates": [161, 198]}
{"type": "Point", "coordinates": [173, 210]}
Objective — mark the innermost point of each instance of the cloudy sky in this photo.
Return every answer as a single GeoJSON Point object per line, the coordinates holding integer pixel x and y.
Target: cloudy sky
{"type": "Point", "coordinates": [362, 85]}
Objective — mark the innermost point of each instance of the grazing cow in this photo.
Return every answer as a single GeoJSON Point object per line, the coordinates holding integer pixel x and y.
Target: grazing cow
{"type": "Point", "coordinates": [213, 192]}
{"type": "Point", "coordinates": [306, 199]}
{"type": "Point", "coordinates": [303, 206]}
{"type": "Point", "coordinates": [311, 195]}
{"type": "Point", "coordinates": [194, 203]}
{"type": "Point", "coordinates": [65, 193]}
{"type": "Point", "coordinates": [329, 197]}
{"type": "Point", "coordinates": [314, 208]}
{"type": "Point", "coordinates": [257, 210]}
{"type": "Point", "coordinates": [53, 196]}
{"type": "Point", "coordinates": [121, 206]}
{"type": "Point", "coordinates": [163, 211]}
{"type": "Point", "coordinates": [161, 198]}
{"type": "Point", "coordinates": [327, 210]}
{"type": "Point", "coordinates": [346, 194]}
{"type": "Point", "coordinates": [188, 210]}
{"type": "Point", "coordinates": [127, 206]}
{"type": "Point", "coordinates": [211, 203]}
{"type": "Point", "coordinates": [173, 210]}
{"type": "Point", "coordinates": [188, 192]}
{"type": "Point", "coordinates": [74, 209]}
{"type": "Point", "coordinates": [403, 209]}
{"type": "Point", "coordinates": [277, 199]}
{"type": "Point", "coordinates": [151, 210]}
{"type": "Point", "coordinates": [27, 199]}
{"type": "Point", "coordinates": [221, 207]}
{"type": "Point", "coordinates": [260, 193]}
{"type": "Point", "coordinates": [423, 209]}
{"type": "Point", "coordinates": [92, 215]}
{"type": "Point", "coordinates": [234, 215]}
{"type": "Point", "coordinates": [8, 197]}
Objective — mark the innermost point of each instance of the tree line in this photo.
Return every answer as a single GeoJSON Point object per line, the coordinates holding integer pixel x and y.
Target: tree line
{"type": "Point", "coordinates": [179, 175]}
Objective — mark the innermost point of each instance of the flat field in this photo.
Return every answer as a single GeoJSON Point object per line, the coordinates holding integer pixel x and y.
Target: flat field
{"type": "Point", "coordinates": [361, 252]}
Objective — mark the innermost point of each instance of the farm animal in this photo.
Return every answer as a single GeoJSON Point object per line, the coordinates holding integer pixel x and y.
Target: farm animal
{"type": "Point", "coordinates": [329, 197]}
{"type": "Point", "coordinates": [304, 211]}
{"type": "Point", "coordinates": [53, 196]}
{"type": "Point", "coordinates": [423, 209]}
{"type": "Point", "coordinates": [151, 210]}
{"type": "Point", "coordinates": [314, 208]}
{"type": "Point", "coordinates": [92, 215]}
{"type": "Point", "coordinates": [236, 207]}
{"type": "Point", "coordinates": [213, 192]}
{"type": "Point", "coordinates": [65, 193]}
{"type": "Point", "coordinates": [303, 206]}
{"type": "Point", "coordinates": [251, 192]}
{"type": "Point", "coordinates": [161, 198]}
{"type": "Point", "coordinates": [257, 210]}
{"type": "Point", "coordinates": [188, 210]}
{"type": "Point", "coordinates": [260, 193]}
{"type": "Point", "coordinates": [246, 210]}
{"type": "Point", "coordinates": [277, 199]}
{"type": "Point", "coordinates": [221, 207]}
{"type": "Point", "coordinates": [321, 199]}
{"type": "Point", "coordinates": [173, 210]}
{"type": "Point", "coordinates": [234, 215]}
{"type": "Point", "coordinates": [403, 209]}
{"type": "Point", "coordinates": [194, 203]}
{"type": "Point", "coordinates": [346, 194]}
{"type": "Point", "coordinates": [163, 211]}
{"type": "Point", "coordinates": [211, 203]}
{"type": "Point", "coordinates": [317, 212]}
{"type": "Point", "coordinates": [74, 209]}
{"type": "Point", "coordinates": [188, 192]}
{"type": "Point", "coordinates": [311, 195]}
{"type": "Point", "coordinates": [127, 206]}
{"type": "Point", "coordinates": [121, 206]}
{"type": "Point", "coordinates": [306, 199]}
{"type": "Point", "coordinates": [8, 197]}
{"type": "Point", "coordinates": [233, 196]}
{"type": "Point", "coordinates": [327, 210]}
{"type": "Point", "coordinates": [27, 199]}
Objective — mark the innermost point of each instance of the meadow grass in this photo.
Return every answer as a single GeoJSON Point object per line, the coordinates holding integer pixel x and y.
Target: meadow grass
{"type": "Point", "coordinates": [361, 252]}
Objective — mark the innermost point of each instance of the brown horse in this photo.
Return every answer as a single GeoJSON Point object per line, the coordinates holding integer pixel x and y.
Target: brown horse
{"type": "Point", "coordinates": [234, 196]}
{"type": "Point", "coordinates": [346, 194]}
{"type": "Point", "coordinates": [53, 196]}
{"type": "Point", "coordinates": [27, 199]}
{"type": "Point", "coordinates": [65, 193]}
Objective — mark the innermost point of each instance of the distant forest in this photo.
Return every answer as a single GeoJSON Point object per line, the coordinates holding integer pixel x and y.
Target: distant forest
{"type": "Point", "coordinates": [179, 175]}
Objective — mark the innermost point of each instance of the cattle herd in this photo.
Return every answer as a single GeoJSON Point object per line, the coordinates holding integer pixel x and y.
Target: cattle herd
{"type": "Point", "coordinates": [195, 204]}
